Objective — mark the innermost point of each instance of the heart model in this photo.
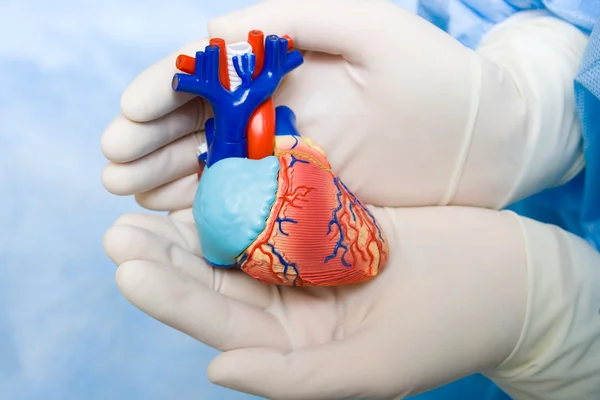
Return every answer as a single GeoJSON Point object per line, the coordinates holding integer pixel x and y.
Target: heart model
{"type": "Point", "coordinates": [267, 201]}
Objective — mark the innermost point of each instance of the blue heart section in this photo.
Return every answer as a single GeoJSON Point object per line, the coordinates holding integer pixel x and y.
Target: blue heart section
{"type": "Point", "coordinates": [285, 122]}
{"type": "Point", "coordinates": [233, 201]}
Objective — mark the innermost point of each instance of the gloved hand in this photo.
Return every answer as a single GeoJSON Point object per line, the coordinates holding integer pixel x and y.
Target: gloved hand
{"type": "Point", "coordinates": [407, 115]}
{"type": "Point", "coordinates": [466, 290]}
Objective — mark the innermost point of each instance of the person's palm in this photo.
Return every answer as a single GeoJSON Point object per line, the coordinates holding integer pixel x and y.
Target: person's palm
{"type": "Point", "coordinates": [351, 341]}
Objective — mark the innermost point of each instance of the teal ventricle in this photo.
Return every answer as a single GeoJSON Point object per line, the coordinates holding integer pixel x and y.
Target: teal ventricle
{"type": "Point", "coordinates": [232, 204]}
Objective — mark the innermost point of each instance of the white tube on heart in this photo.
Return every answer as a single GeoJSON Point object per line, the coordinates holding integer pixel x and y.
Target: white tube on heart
{"type": "Point", "coordinates": [203, 146]}
{"type": "Point", "coordinates": [236, 49]}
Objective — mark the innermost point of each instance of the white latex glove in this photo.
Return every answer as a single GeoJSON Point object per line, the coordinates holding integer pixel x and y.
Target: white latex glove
{"type": "Point", "coordinates": [466, 290]}
{"type": "Point", "coordinates": [407, 115]}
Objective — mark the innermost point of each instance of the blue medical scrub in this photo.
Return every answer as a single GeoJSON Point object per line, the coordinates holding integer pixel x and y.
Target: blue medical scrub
{"type": "Point", "coordinates": [574, 206]}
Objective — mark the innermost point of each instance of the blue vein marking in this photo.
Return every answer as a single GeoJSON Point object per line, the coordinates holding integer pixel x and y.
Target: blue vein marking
{"type": "Point", "coordinates": [334, 221]}
{"type": "Point", "coordinates": [294, 160]}
{"type": "Point", "coordinates": [285, 264]}
{"type": "Point", "coordinates": [282, 220]}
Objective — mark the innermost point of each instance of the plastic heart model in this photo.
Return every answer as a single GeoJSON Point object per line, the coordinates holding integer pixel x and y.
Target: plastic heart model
{"type": "Point", "coordinates": [267, 201]}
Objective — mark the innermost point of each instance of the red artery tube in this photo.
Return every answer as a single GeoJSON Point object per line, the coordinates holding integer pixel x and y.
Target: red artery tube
{"type": "Point", "coordinates": [261, 131]}
{"type": "Point", "coordinates": [186, 64]}
{"type": "Point", "coordinates": [256, 39]}
{"type": "Point", "coordinates": [261, 126]}
{"type": "Point", "coordinates": [290, 42]}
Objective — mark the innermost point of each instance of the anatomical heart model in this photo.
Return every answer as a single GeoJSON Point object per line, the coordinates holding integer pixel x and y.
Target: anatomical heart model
{"type": "Point", "coordinates": [267, 201]}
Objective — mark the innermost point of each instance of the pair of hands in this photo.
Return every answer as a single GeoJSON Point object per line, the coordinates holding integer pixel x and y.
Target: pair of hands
{"type": "Point", "coordinates": [409, 118]}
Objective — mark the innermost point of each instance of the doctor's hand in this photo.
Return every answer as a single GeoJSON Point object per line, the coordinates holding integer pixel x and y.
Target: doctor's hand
{"type": "Point", "coordinates": [466, 290]}
{"type": "Point", "coordinates": [407, 115]}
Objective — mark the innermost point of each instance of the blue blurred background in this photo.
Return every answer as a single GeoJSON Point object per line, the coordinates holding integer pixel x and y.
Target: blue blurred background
{"type": "Point", "coordinates": [65, 330]}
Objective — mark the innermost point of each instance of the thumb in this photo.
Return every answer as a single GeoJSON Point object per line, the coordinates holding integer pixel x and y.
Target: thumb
{"type": "Point", "coordinates": [341, 369]}
{"type": "Point", "coordinates": [329, 26]}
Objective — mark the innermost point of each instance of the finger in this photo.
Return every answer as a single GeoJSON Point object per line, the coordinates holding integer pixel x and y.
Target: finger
{"type": "Point", "coordinates": [125, 140]}
{"type": "Point", "coordinates": [150, 95]}
{"type": "Point", "coordinates": [167, 164]}
{"type": "Point", "coordinates": [317, 25]}
{"type": "Point", "coordinates": [180, 231]}
{"type": "Point", "coordinates": [338, 370]}
{"type": "Point", "coordinates": [197, 311]}
{"type": "Point", "coordinates": [175, 195]}
{"type": "Point", "coordinates": [125, 243]}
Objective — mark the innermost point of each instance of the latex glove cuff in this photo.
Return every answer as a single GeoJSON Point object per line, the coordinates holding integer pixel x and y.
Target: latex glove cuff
{"type": "Point", "coordinates": [556, 356]}
{"type": "Point", "coordinates": [526, 135]}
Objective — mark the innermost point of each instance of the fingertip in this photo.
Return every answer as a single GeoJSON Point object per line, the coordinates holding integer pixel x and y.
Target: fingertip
{"type": "Point", "coordinates": [116, 141]}
{"type": "Point", "coordinates": [130, 276]}
{"type": "Point", "coordinates": [108, 242]}
{"type": "Point", "coordinates": [219, 370]}
{"type": "Point", "coordinates": [107, 143]}
{"type": "Point", "coordinates": [245, 369]}
{"type": "Point", "coordinates": [121, 243]}
{"type": "Point", "coordinates": [135, 105]}
{"type": "Point", "coordinates": [115, 181]}
{"type": "Point", "coordinates": [151, 96]}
